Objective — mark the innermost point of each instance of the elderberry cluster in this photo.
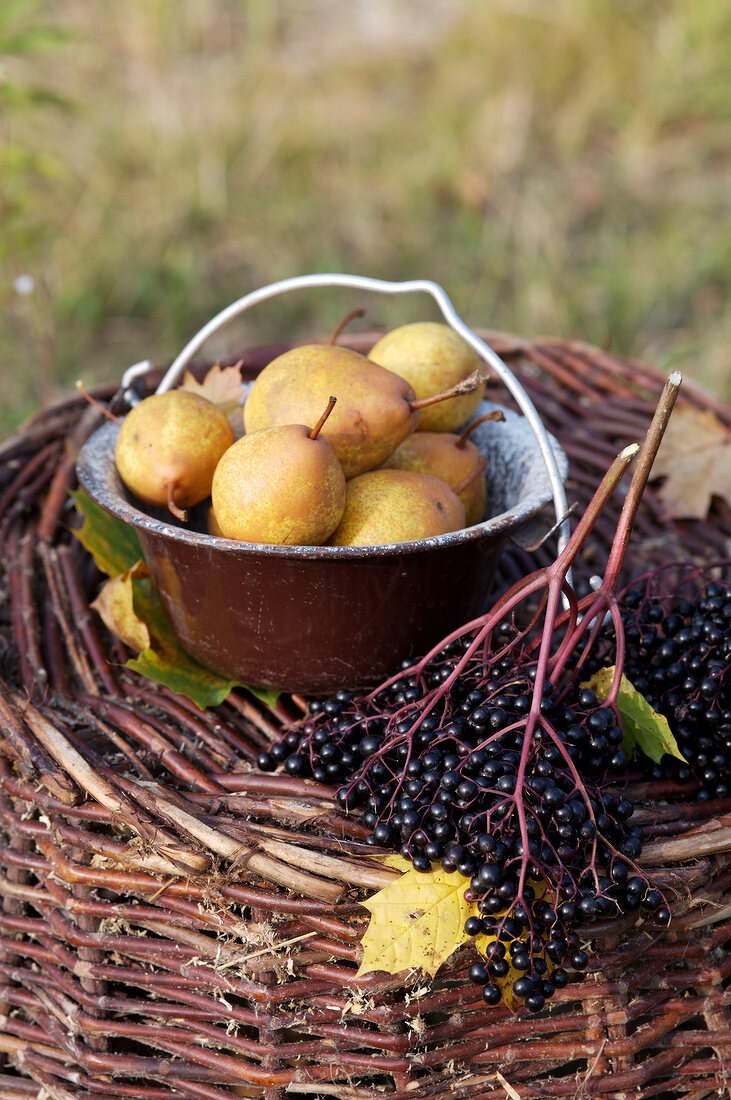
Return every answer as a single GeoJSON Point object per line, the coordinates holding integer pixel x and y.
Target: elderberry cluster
{"type": "Point", "coordinates": [449, 771]}
{"type": "Point", "coordinates": [679, 658]}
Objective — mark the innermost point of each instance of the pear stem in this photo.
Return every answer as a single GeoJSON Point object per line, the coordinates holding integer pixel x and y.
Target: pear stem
{"type": "Point", "coordinates": [496, 414]}
{"type": "Point", "coordinates": [97, 405]}
{"type": "Point", "coordinates": [316, 430]}
{"type": "Point", "coordinates": [479, 468]}
{"type": "Point", "coordinates": [345, 321]}
{"type": "Point", "coordinates": [465, 385]}
{"type": "Point", "coordinates": [177, 511]}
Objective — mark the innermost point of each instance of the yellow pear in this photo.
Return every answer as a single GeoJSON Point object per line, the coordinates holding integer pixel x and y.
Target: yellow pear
{"type": "Point", "coordinates": [168, 447]}
{"type": "Point", "coordinates": [432, 357]}
{"type": "Point", "coordinates": [384, 506]}
{"type": "Point", "coordinates": [373, 414]}
{"type": "Point", "coordinates": [212, 524]}
{"type": "Point", "coordinates": [453, 458]}
{"type": "Point", "coordinates": [439, 454]}
{"type": "Point", "coordinates": [281, 485]}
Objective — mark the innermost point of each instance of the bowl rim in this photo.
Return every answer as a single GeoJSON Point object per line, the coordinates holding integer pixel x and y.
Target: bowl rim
{"type": "Point", "coordinates": [94, 480]}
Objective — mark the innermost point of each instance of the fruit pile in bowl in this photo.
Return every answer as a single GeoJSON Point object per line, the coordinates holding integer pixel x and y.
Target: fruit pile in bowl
{"type": "Point", "coordinates": [338, 447]}
{"type": "Point", "coordinates": [345, 530]}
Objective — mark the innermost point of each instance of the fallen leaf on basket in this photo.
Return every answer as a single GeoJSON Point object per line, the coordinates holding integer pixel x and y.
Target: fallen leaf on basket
{"type": "Point", "coordinates": [641, 725]}
{"type": "Point", "coordinates": [130, 608]}
{"type": "Point", "coordinates": [695, 460]}
{"type": "Point", "coordinates": [114, 546]}
{"type": "Point", "coordinates": [115, 606]}
{"type": "Point", "coordinates": [224, 387]}
{"type": "Point", "coordinates": [416, 922]}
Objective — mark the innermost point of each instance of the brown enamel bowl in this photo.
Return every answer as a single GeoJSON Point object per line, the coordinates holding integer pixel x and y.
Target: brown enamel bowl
{"type": "Point", "coordinates": [314, 619]}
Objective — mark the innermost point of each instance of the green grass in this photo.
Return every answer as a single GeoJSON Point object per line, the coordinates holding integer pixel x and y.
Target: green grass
{"type": "Point", "coordinates": [559, 167]}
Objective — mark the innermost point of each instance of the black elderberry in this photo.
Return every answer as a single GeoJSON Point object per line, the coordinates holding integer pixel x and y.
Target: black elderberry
{"type": "Point", "coordinates": [498, 967]}
{"type": "Point", "coordinates": [382, 835]}
{"type": "Point", "coordinates": [567, 912]}
{"type": "Point", "coordinates": [521, 960]}
{"type": "Point", "coordinates": [652, 900]}
{"type": "Point", "coordinates": [489, 874]}
{"type": "Point", "coordinates": [523, 987]}
{"type": "Point", "coordinates": [473, 927]}
{"type": "Point", "coordinates": [579, 961]}
{"type": "Point", "coordinates": [467, 866]}
{"type": "Point", "coordinates": [477, 973]}
{"type": "Point", "coordinates": [555, 949]}
{"type": "Point", "coordinates": [297, 765]}
{"type": "Point", "coordinates": [560, 978]}
{"type": "Point", "coordinates": [491, 995]}
{"type": "Point", "coordinates": [495, 950]}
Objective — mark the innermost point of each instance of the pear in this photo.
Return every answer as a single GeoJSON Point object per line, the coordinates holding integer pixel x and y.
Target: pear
{"type": "Point", "coordinates": [453, 458]}
{"type": "Point", "coordinates": [432, 357]}
{"type": "Point", "coordinates": [377, 409]}
{"type": "Point", "coordinates": [385, 506]}
{"type": "Point", "coordinates": [168, 447]}
{"type": "Point", "coordinates": [438, 453]}
{"type": "Point", "coordinates": [212, 525]}
{"type": "Point", "coordinates": [281, 485]}
{"type": "Point", "coordinates": [373, 413]}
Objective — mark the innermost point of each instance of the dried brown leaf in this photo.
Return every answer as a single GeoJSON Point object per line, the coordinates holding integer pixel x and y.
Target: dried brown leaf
{"type": "Point", "coordinates": [695, 460]}
{"type": "Point", "coordinates": [222, 386]}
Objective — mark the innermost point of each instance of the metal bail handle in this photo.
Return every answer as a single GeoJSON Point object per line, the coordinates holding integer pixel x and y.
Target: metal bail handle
{"type": "Point", "coordinates": [412, 286]}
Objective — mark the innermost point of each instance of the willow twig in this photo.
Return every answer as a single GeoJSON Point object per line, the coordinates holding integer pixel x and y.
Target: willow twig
{"type": "Point", "coordinates": [96, 786]}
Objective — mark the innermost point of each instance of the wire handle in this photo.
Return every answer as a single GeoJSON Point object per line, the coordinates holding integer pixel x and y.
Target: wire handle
{"type": "Point", "coordinates": [412, 286]}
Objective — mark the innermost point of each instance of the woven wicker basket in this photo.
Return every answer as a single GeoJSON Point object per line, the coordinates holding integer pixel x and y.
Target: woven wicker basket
{"type": "Point", "coordinates": [176, 924]}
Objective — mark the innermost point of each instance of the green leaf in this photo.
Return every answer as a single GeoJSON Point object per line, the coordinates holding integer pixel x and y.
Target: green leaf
{"type": "Point", "coordinates": [268, 696]}
{"type": "Point", "coordinates": [642, 726]}
{"type": "Point", "coordinates": [114, 545]}
{"type": "Point", "coordinates": [183, 675]}
{"type": "Point", "coordinates": [131, 608]}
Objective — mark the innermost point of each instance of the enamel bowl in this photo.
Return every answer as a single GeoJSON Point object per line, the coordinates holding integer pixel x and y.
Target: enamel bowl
{"type": "Point", "coordinates": [316, 619]}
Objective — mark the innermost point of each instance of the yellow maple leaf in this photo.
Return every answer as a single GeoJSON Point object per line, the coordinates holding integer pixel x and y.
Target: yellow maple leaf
{"type": "Point", "coordinates": [416, 922]}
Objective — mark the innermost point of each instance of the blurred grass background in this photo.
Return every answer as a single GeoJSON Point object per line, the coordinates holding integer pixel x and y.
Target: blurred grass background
{"type": "Point", "coordinates": [559, 166]}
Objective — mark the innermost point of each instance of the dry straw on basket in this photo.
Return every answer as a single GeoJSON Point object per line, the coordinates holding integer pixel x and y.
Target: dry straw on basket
{"type": "Point", "coordinates": [175, 923]}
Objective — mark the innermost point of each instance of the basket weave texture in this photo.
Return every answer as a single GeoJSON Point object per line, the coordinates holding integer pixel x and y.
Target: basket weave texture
{"type": "Point", "coordinates": [176, 924]}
